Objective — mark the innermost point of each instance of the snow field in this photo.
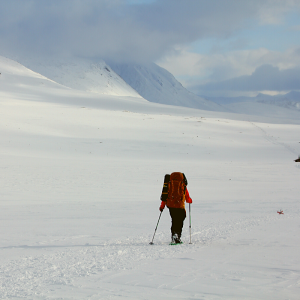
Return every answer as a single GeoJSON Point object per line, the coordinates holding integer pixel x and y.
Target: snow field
{"type": "Point", "coordinates": [80, 181]}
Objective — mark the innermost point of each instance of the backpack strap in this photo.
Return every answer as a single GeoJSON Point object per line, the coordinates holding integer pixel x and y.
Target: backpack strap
{"type": "Point", "coordinates": [184, 179]}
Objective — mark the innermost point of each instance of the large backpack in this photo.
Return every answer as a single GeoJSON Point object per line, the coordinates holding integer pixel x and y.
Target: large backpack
{"type": "Point", "coordinates": [176, 190]}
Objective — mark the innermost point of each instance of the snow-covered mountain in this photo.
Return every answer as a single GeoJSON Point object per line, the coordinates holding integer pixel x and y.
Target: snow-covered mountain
{"type": "Point", "coordinates": [150, 81]}
{"type": "Point", "coordinates": [96, 77]}
{"type": "Point", "coordinates": [290, 100]}
{"type": "Point", "coordinates": [158, 85]}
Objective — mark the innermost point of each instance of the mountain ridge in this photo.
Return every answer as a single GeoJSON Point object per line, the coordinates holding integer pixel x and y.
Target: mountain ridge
{"type": "Point", "coordinates": [158, 85]}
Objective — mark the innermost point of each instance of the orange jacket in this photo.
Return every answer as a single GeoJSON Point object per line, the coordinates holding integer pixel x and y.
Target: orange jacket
{"type": "Point", "coordinates": [188, 199]}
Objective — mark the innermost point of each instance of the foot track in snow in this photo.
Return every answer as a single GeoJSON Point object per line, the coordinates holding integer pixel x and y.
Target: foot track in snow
{"type": "Point", "coordinates": [273, 140]}
{"type": "Point", "coordinates": [33, 276]}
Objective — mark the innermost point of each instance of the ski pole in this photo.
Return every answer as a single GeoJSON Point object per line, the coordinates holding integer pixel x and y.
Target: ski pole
{"type": "Point", "coordinates": [190, 223]}
{"type": "Point", "coordinates": [151, 243]}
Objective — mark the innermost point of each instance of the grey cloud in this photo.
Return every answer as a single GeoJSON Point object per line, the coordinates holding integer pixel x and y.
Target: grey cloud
{"type": "Point", "coordinates": [112, 29]}
{"type": "Point", "coordinates": [265, 77]}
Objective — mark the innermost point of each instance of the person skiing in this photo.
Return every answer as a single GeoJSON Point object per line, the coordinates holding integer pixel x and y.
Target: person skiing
{"type": "Point", "coordinates": [174, 195]}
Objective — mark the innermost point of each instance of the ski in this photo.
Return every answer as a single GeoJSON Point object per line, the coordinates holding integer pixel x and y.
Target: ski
{"type": "Point", "coordinates": [175, 243]}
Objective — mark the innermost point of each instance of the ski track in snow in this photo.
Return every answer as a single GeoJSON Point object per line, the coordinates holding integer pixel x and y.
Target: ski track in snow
{"type": "Point", "coordinates": [32, 276]}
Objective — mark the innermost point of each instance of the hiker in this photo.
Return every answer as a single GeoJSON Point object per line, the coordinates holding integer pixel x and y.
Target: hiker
{"type": "Point", "coordinates": [174, 195]}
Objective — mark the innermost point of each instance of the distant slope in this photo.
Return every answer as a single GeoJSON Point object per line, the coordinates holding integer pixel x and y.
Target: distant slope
{"type": "Point", "coordinates": [263, 110]}
{"type": "Point", "coordinates": [83, 75]}
{"type": "Point", "coordinates": [290, 100]}
{"type": "Point", "coordinates": [16, 79]}
{"type": "Point", "coordinates": [158, 85]}
{"type": "Point", "coordinates": [11, 67]}
{"type": "Point", "coordinates": [229, 100]}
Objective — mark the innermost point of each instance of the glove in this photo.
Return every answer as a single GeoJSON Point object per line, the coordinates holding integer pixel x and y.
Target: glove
{"type": "Point", "coordinates": [162, 205]}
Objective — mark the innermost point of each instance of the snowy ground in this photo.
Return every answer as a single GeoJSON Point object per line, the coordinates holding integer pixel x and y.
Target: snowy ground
{"type": "Point", "coordinates": [80, 181]}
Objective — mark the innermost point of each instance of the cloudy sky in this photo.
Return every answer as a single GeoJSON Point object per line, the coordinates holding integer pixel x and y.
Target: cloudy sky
{"type": "Point", "coordinates": [213, 47]}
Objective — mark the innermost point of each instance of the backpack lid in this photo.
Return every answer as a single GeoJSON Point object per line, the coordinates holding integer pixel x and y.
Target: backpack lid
{"type": "Point", "coordinates": [177, 176]}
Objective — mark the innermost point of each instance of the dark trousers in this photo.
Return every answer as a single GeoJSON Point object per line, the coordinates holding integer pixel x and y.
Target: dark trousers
{"type": "Point", "coordinates": [178, 215]}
